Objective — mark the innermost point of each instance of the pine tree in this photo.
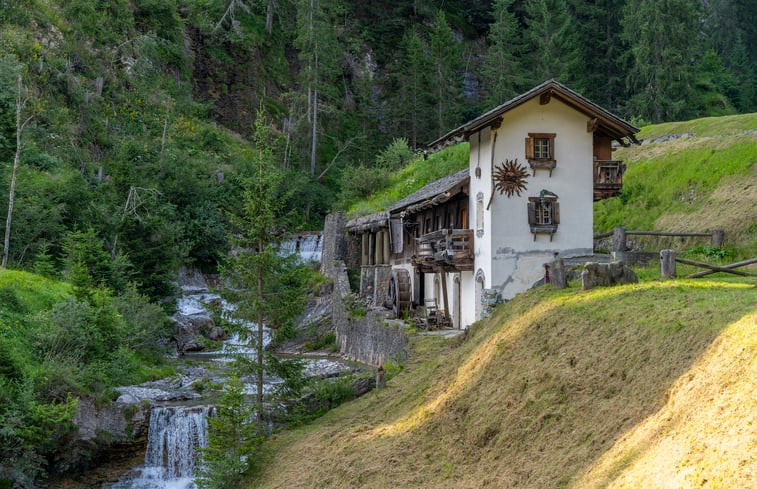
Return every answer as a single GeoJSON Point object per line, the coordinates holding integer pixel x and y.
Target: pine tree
{"type": "Point", "coordinates": [446, 75]}
{"type": "Point", "coordinates": [552, 46]}
{"type": "Point", "coordinates": [602, 64]}
{"type": "Point", "coordinates": [411, 103]}
{"type": "Point", "coordinates": [664, 39]}
{"type": "Point", "coordinates": [233, 438]}
{"type": "Point", "coordinates": [503, 74]}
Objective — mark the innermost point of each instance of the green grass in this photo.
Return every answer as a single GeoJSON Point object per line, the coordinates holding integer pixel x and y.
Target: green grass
{"type": "Point", "coordinates": [558, 388]}
{"type": "Point", "coordinates": [414, 176]}
{"type": "Point", "coordinates": [698, 183]}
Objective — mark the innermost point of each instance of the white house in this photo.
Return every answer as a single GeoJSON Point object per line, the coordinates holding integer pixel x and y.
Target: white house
{"type": "Point", "coordinates": [537, 163]}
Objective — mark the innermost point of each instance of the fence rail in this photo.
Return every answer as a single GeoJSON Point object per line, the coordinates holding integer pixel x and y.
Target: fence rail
{"type": "Point", "coordinates": [619, 234]}
{"type": "Point", "coordinates": [668, 260]}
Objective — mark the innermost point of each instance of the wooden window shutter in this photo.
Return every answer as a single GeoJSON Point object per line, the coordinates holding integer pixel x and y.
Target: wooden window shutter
{"type": "Point", "coordinates": [529, 148]}
{"type": "Point", "coordinates": [555, 213]}
{"type": "Point", "coordinates": [532, 213]}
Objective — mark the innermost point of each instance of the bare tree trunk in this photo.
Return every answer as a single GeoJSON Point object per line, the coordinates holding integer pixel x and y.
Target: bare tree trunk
{"type": "Point", "coordinates": [259, 415]}
{"type": "Point", "coordinates": [269, 17]}
{"type": "Point", "coordinates": [314, 135]}
{"type": "Point", "coordinates": [163, 139]}
{"type": "Point", "coordinates": [11, 197]}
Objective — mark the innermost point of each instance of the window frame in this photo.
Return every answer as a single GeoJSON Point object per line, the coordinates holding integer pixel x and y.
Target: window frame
{"type": "Point", "coordinates": [538, 226]}
{"type": "Point", "coordinates": [541, 163]}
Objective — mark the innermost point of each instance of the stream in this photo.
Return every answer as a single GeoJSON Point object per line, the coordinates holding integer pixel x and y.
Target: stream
{"type": "Point", "coordinates": [179, 412]}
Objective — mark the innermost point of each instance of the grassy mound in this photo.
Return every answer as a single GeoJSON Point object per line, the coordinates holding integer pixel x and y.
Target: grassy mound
{"type": "Point", "coordinates": [649, 385]}
{"type": "Point", "coordinates": [414, 176]}
{"type": "Point", "coordinates": [703, 177]}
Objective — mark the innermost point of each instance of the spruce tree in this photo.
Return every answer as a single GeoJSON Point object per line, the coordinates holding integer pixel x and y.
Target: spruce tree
{"type": "Point", "coordinates": [552, 46]}
{"type": "Point", "coordinates": [503, 73]}
{"type": "Point", "coordinates": [411, 103]}
{"type": "Point", "coordinates": [233, 437]}
{"type": "Point", "coordinates": [602, 62]}
{"type": "Point", "coordinates": [446, 75]}
{"type": "Point", "coordinates": [664, 38]}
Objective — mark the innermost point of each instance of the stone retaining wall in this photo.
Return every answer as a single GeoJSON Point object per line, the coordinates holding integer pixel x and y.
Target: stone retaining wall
{"type": "Point", "coordinates": [372, 339]}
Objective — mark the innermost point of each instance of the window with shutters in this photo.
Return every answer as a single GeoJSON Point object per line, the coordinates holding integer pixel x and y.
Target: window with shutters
{"type": "Point", "coordinates": [540, 151]}
{"type": "Point", "coordinates": [543, 215]}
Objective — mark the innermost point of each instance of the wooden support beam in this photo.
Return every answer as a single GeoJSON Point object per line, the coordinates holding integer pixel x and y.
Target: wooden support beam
{"type": "Point", "coordinates": [365, 249]}
{"type": "Point", "coordinates": [544, 98]}
{"type": "Point", "coordinates": [591, 125]}
{"type": "Point", "coordinates": [496, 123]}
{"type": "Point", "coordinates": [443, 275]}
{"type": "Point", "coordinates": [713, 268]}
{"type": "Point", "coordinates": [717, 238]}
{"type": "Point", "coordinates": [387, 250]}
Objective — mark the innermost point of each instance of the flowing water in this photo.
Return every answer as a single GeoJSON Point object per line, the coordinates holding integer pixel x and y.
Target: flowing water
{"type": "Point", "coordinates": [176, 433]}
{"type": "Point", "coordinates": [175, 437]}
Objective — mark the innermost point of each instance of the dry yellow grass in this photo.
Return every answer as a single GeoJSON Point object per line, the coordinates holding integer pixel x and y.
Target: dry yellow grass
{"type": "Point", "coordinates": [559, 389]}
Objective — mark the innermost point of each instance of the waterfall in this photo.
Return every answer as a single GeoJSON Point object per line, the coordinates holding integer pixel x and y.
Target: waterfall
{"type": "Point", "coordinates": [307, 246]}
{"type": "Point", "coordinates": [173, 441]}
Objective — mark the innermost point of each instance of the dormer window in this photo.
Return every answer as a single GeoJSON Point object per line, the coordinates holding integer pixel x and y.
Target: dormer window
{"type": "Point", "coordinates": [540, 151]}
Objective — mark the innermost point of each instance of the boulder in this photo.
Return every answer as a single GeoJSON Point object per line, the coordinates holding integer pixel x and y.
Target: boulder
{"type": "Point", "coordinates": [606, 274]}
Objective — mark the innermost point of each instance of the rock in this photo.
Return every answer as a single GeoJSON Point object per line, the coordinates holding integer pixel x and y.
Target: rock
{"type": "Point", "coordinates": [605, 274]}
{"type": "Point", "coordinates": [188, 327]}
{"type": "Point", "coordinates": [104, 431]}
{"type": "Point", "coordinates": [191, 280]}
{"type": "Point", "coordinates": [216, 333]}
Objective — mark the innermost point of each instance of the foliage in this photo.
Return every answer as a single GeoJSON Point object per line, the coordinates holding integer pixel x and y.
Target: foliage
{"type": "Point", "coordinates": [322, 342]}
{"type": "Point", "coordinates": [56, 347]}
{"type": "Point", "coordinates": [233, 439]}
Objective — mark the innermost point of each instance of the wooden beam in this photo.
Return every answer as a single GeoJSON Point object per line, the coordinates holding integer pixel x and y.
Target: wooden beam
{"type": "Point", "coordinates": [545, 97]}
{"type": "Point", "coordinates": [443, 275]}
{"type": "Point", "coordinates": [726, 268]}
{"type": "Point", "coordinates": [591, 125]}
{"type": "Point", "coordinates": [496, 123]}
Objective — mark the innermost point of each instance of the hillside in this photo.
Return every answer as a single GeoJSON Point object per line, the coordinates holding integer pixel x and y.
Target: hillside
{"type": "Point", "coordinates": [690, 176]}
{"type": "Point", "coordinates": [649, 385]}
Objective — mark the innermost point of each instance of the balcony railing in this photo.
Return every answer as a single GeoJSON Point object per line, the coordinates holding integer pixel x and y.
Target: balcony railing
{"type": "Point", "coordinates": [608, 178]}
{"type": "Point", "coordinates": [450, 249]}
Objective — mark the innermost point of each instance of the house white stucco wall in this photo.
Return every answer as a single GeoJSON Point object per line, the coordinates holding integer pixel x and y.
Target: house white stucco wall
{"type": "Point", "coordinates": [507, 253]}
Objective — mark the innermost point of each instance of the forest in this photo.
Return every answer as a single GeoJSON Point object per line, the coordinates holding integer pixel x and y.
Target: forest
{"type": "Point", "coordinates": [127, 137]}
{"type": "Point", "coordinates": [140, 113]}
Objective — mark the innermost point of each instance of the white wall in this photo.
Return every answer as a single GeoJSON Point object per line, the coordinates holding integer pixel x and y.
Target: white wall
{"type": "Point", "coordinates": [511, 259]}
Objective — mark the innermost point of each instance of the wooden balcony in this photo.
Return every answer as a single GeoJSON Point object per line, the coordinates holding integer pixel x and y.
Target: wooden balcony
{"type": "Point", "coordinates": [445, 249]}
{"type": "Point", "coordinates": [608, 178]}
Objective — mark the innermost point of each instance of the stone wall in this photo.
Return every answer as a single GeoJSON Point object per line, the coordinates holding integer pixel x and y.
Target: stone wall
{"type": "Point", "coordinates": [372, 339]}
{"type": "Point", "coordinates": [374, 283]}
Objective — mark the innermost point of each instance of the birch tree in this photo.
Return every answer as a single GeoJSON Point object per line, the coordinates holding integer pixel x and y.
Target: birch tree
{"type": "Point", "coordinates": [20, 104]}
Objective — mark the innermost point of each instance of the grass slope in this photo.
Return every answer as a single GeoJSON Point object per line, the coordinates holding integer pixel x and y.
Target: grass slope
{"type": "Point", "coordinates": [706, 179]}
{"type": "Point", "coordinates": [649, 385]}
{"type": "Point", "coordinates": [412, 177]}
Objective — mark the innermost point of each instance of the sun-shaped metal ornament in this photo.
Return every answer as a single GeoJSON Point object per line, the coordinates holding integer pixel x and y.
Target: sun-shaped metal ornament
{"type": "Point", "coordinates": [510, 178]}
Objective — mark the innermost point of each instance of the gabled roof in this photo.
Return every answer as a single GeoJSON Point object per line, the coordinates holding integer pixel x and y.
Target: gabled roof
{"type": "Point", "coordinates": [434, 193]}
{"type": "Point", "coordinates": [606, 122]}
{"type": "Point", "coordinates": [371, 222]}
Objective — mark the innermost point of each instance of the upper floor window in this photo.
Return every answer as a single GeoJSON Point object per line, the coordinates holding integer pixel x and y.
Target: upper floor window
{"type": "Point", "coordinates": [540, 151]}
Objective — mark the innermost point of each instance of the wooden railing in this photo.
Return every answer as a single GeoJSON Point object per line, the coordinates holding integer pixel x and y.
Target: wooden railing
{"type": "Point", "coordinates": [619, 234]}
{"type": "Point", "coordinates": [451, 247]}
{"type": "Point", "coordinates": [608, 178]}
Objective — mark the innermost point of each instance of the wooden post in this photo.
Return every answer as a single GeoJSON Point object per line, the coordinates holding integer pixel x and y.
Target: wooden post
{"type": "Point", "coordinates": [365, 249]}
{"type": "Point", "coordinates": [619, 238]}
{"type": "Point", "coordinates": [387, 250]}
{"type": "Point", "coordinates": [443, 275]}
{"type": "Point", "coordinates": [717, 238]}
{"type": "Point", "coordinates": [557, 276]}
{"type": "Point", "coordinates": [371, 249]}
{"type": "Point", "coordinates": [380, 377]}
{"type": "Point", "coordinates": [379, 247]}
{"type": "Point", "coordinates": [668, 264]}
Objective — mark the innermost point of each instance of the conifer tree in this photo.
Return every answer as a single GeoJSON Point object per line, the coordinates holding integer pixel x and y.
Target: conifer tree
{"type": "Point", "coordinates": [446, 75]}
{"type": "Point", "coordinates": [411, 102]}
{"type": "Point", "coordinates": [552, 46]}
{"type": "Point", "coordinates": [503, 73]}
{"type": "Point", "coordinates": [602, 62]}
{"type": "Point", "coordinates": [664, 39]}
{"type": "Point", "coordinates": [233, 437]}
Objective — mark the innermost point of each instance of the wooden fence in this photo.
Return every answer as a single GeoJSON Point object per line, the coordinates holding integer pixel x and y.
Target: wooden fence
{"type": "Point", "coordinates": [619, 236]}
{"type": "Point", "coordinates": [668, 260]}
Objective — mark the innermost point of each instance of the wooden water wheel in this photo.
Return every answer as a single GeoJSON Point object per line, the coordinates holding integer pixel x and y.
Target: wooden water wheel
{"type": "Point", "coordinates": [400, 293]}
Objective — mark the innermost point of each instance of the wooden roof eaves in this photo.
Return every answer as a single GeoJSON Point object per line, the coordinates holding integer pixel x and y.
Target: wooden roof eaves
{"type": "Point", "coordinates": [616, 126]}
